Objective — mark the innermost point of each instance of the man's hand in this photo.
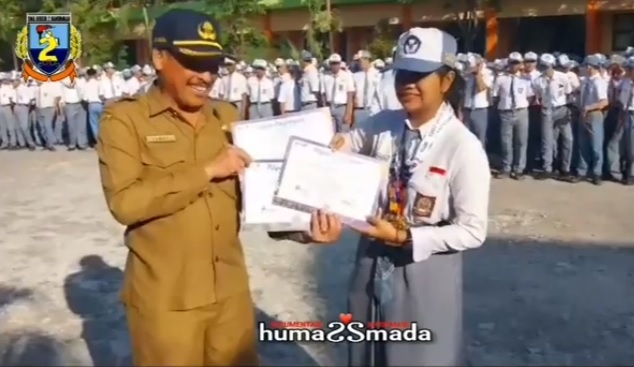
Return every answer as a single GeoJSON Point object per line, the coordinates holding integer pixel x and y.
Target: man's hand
{"type": "Point", "coordinates": [325, 227]}
{"type": "Point", "coordinates": [232, 161]}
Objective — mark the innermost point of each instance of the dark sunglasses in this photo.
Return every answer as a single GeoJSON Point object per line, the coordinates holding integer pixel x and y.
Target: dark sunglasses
{"type": "Point", "coordinates": [198, 64]}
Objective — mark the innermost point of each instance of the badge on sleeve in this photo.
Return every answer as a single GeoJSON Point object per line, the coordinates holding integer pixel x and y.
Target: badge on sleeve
{"type": "Point", "coordinates": [424, 205]}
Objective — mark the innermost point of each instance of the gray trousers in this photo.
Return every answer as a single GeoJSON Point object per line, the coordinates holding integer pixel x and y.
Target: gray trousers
{"type": "Point", "coordinates": [338, 113]}
{"type": "Point", "coordinates": [556, 123]}
{"type": "Point", "coordinates": [428, 293]}
{"type": "Point", "coordinates": [360, 115]}
{"type": "Point", "coordinates": [22, 116]}
{"type": "Point", "coordinates": [514, 134]}
{"type": "Point", "coordinates": [260, 110]}
{"type": "Point", "coordinates": [620, 149]}
{"type": "Point", "coordinates": [76, 120]}
{"type": "Point", "coordinates": [8, 130]}
{"type": "Point", "coordinates": [45, 118]}
{"type": "Point", "coordinates": [477, 120]}
{"type": "Point", "coordinates": [591, 144]}
{"type": "Point", "coordinates": [309, 106]}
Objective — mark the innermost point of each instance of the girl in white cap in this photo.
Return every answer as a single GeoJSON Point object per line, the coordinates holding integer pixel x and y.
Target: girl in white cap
{"type": "Point", "coordinates": [434, 206]}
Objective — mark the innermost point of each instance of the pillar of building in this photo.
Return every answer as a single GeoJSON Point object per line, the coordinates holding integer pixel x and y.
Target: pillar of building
{"type": "Point", "coordinates": [492, 29]}
{"type": "Point", "coordinates": [593, 27]}
{"type": "Point", "coordinates": [406, 16]}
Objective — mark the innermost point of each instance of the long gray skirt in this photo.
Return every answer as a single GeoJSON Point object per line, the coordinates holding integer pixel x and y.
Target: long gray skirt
{"type": "Point", "coordinates": [428, 293]}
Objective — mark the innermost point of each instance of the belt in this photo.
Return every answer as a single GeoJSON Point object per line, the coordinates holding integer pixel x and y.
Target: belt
{"type": "Point", "coordinates": [259, 103]}
{"type": "Point", "coordinates": [358, 108]}
{"type": "Point", "coordinates": [72, 102]}
{"type": "Point", "coordinates": [339, 105]}
{"type": "Point", "coordinates": [514, 109]}
{"type": "Point", "coordinates": [477, 108]}
{"type": "Point", "coordinates": [23, 104]}
{"type": "Point", "coordinates": [307, 103]}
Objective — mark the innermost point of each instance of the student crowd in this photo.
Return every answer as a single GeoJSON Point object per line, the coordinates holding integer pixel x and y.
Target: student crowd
{"type": "Point", "coordinates": [547, 114]}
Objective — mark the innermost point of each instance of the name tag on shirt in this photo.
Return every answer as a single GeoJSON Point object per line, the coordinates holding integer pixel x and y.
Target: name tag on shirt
{"type": "Point", "coordinates": [340, 87]}
{"type": "Point", "coordinates": [160, 138]}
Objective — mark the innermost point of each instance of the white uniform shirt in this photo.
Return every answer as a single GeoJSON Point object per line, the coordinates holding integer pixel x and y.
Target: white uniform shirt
{"type": "Point", "coordinates": [235, 86]}
{"type": "Point", "coordinates": [310, 84]}
{"type": "Point", "coordinates": [454, 176]}
{"type": "Point", "coordinates": [289, 95]}
{"type": "Point", "coordinates": [111, 87]}
{"type": "Point", "coordinates": [522, 90]}
{"type": "Point", "coordinates": [46, 94]}
{"type": "Point", "coordinates": [626, 95]}
{"type": "Point", "coordinates": [260, 90]}
{"type": "Point", "coordinates": [277, 83]}
{"type": "Point", "coordinates": [217, 90]}
{"type": "Point", "coordinates": [593, 90]}
{"type": "Point", "coordinates": [385, 96]}
{"type": "Point", "coordinates": [575, 84]}
{"type": "Point", "coordinates": [337, 87]}
{"type": "Point", "coordinates": [365, 84]}
{"type": "Point", "coordinates": [7, 95]}
{"type": "Point", "coordinates": [553, 92]}
{"type": "Point", "coordinates": [132, 86]}
{"type": "Point", "coordinates": [474, 98]}
{"type": "Point", "coordinates": [614, 89]}
{"type": "Point", "coordinates": [70, 92]}
{"type": "Point", "coordinates": [25, 95]}
{"type": "Point", "coordinates": [90, 93]}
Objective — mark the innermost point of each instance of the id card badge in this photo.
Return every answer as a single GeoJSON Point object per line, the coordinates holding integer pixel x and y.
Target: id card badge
{"type": "Point", "coordinates": [340, 87]}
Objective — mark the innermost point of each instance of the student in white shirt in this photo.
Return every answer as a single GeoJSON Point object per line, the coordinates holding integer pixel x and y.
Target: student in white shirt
{"type": "Point", "coordinates": [47, 101]}
{"type": "Point", "coordinates": [435, 205]}
{"type": "Point", "coordinates": [624, 133]}
{"type": "Point", "coordinates": [552, 89]}
{"type": "Point", "coordinates": [289, 94]}
{"type": "Point", "coordinates": [366, 81]}
{"type": "Point", "coordinates": [25, 98]}
{"type": "Point", "coordinates": [76, 118]}
{"type": "Point", "coordinates": [260, 92]}
{"type": "Point", "coordinates": [94, 101]}
{"type": "Point", "coordinates": [235, 88]}
{"type": "Point", "coordinates": [111, 86]}
{"type": "Point", "coordinates": [310, 84]}
{"type": "Point", "coordinates": [476, 102]}
{"type": "Point", "coordinates": [594, 98]}
{"type": "Point", "coordinates": [8, 125]}
{"type": "Point", "coordinates": [133, 84]}
{"type": "Point", "coordinates": [339, 92]}
{"type": "Point", "coordinates": [513, 93]}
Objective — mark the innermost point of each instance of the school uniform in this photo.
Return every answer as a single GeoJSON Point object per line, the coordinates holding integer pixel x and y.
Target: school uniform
{"type": "Point", "coordinates": [593, 90]}
{"type": "Point", "coordinates": [624, 135]}
{"type": "Point", "coordinates": [261, 93]}
{"type": "Point", "coordinates": [385, 97]}
{"type": "Point", "coordinates": [337, 88]}
{"type": "Point", "coordinates": [438, 180]}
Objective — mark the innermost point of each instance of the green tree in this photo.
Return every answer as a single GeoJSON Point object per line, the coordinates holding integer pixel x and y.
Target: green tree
{"type": "Point", "coordinates": [12, 19]}
{"type": "Point", "coordinates": [323, 22]}
{"type": "Point", "coordinates": [239, 35]}
{"type": "Point", "coordinates": [383, 40]}
{"type": "Point", "coordinates": [466, 14]}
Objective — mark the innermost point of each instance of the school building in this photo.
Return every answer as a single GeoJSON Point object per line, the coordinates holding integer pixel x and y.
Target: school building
{"type": "Point", "coordinates": [571, 26]}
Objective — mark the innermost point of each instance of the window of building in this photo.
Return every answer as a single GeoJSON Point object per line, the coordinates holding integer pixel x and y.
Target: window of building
{"type": "Point", "coordinates": [622, 31]}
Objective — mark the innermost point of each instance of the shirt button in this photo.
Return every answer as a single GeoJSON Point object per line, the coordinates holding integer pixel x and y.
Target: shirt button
{"type": "Point", "coordinates": [216, 259]}
{"type": "Point", "coordinates": [217, 227]}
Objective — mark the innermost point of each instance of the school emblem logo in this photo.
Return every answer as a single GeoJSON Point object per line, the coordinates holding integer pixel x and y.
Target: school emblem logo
{"type": "Point", "coordinates": [48, 46]}
{"type": "Point", "coordinates": [411, 45]}
{"type": "Point", "coordinates": [424, 205]}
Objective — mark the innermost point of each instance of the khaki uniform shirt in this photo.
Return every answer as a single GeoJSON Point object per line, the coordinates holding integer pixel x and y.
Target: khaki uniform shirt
{"type": "Point", "coordinates": [182, 229]}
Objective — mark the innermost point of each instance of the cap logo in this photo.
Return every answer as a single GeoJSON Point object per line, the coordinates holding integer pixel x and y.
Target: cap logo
{"type": "Point", "coordinates": [207, 32]}
{"type": "Point", "coordinates": [411, 45]}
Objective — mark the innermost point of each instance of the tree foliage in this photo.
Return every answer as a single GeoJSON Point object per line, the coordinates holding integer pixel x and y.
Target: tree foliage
{"type": "Point", "coordinates": [467, 15]}
{"type": "Point", "coordinates": [240, 35]}
{"type": "Point", "coordinates": [383, 40]}
{"type": "Point", "coordinates": [320, 26]}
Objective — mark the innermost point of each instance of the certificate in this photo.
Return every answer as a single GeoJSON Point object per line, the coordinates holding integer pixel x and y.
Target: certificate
{"type": "Point", "coordinates": [266, 139]}
{"type": "Point", "coordinates": [316, 177]}
{"type": "Point", "coordinates": [258, 185]}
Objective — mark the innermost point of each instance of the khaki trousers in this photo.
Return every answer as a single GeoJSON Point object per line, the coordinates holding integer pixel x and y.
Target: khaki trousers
{"type": "Point", "coordinates": [220, 334]}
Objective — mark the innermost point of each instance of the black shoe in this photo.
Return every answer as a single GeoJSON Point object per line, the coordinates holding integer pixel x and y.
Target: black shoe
{"type": "Point", "coordinates": [51, 149]}
{"type": "Point", "coordinates": [32, 148]}
{"type": "Point", "coordinates": [597, 181]}
{"type": "Point", "coordinates": [70, 149]}
{"type": "Point", "coordinates": [517, 176]}
{"type": "Point", "coordinates": [501, 175]}
{"type": "Point", "coordinates": [574, 179]}
{"type": "Point", "coordinates": [82, 148]}
{"type": "Point", "coordinates": [628, 181]}
{"type": "Point", "coordinates": [543, 175]}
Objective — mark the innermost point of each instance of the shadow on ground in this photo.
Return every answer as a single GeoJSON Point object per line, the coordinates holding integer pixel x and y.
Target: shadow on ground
{"type": "Point", "coordinates": [93, 294]}
{"type": "Point", "coordinates": [25, 348]}
{"type": "Point", "coordinates": [530, 303]}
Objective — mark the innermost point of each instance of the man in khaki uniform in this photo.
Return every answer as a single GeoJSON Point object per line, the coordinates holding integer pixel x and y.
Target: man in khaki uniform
{"type": "Point", "coordinates": [169, 175]}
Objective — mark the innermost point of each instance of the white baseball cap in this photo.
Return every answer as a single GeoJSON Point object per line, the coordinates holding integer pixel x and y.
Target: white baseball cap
{"type": "Point", "coordinates": [424, 50]}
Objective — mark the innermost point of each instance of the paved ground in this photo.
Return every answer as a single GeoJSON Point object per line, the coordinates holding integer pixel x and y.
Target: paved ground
{"type": "Point", "coordinates": [552, 286]}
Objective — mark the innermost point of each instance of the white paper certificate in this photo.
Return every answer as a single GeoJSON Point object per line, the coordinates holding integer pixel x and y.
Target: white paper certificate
{"type": "Point", "coordinates": [266, 139]}
{"type": "Point", "coordinates": [258, 183]}
{"type": "Point", "coordinates": [316, 177]}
